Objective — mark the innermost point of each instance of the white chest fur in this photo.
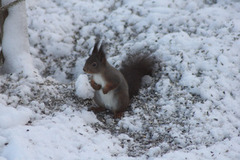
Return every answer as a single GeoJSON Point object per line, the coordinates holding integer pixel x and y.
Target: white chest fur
{"type": "Point", "coordinates": [109, 100]}
{"type": "Point", "coordinates": [99, 79]}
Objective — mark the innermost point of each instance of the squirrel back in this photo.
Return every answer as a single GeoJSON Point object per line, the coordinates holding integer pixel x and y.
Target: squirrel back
{"type": "Point", "coordinates": [133, 69]}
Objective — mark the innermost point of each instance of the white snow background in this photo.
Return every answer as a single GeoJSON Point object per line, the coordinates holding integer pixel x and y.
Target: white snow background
{"type": "Point", "coordinates": [189, 108]}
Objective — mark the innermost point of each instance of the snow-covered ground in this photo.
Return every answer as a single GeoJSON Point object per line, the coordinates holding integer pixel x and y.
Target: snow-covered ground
{"type": "Point", "coordinates": [188, 109]}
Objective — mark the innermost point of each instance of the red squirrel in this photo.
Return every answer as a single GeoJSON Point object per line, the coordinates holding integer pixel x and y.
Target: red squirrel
{"type": "Point", "coordinates": [113, 88]}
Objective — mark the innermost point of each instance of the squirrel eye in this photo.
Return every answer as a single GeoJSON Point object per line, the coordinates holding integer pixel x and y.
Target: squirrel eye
{"type": "Point", "coordinates": [94, 64]}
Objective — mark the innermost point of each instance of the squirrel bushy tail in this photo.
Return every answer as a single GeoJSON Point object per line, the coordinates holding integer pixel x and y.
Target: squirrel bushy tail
{"type": "Point", "coordinates": [133, 69]}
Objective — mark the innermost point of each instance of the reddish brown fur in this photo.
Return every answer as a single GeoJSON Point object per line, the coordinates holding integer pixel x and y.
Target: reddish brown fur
{"type": "Point", "coordinates": [108, 87]}
{"type": "Point", "coordinates": [95, 85]}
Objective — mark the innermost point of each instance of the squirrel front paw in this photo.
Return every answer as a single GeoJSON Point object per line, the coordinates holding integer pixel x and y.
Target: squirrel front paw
{"type": "Point", "coordinates": [95, 85]}
{"type": "Point", "coordinates": [108, 87]}
{"type": "Point", "coordinates": [105, 90]}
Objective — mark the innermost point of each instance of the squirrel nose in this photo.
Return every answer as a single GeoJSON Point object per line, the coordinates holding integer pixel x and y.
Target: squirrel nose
{"type": "Point", "coordinates": [84, 69]}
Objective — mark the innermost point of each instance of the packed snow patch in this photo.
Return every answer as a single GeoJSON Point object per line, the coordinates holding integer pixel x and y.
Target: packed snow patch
{"type": "Point", "coordinates": [11, 117]}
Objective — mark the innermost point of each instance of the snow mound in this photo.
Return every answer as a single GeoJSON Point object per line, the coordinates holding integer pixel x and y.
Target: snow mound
{"type": "Point", "coordinates": [83, 87]}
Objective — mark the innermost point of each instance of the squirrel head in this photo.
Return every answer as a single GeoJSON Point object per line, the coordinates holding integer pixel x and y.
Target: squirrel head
{"type": "Point", "coordinates": [96, 62]}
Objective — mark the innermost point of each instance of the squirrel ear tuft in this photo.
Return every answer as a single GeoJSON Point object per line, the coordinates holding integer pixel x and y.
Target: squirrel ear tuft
{"type": "Point", "coordinates": [101, 54]}
{"type": "Point", "coordinates": [101, 51]}
{"type": "Point", "coordinates": [95, 48]}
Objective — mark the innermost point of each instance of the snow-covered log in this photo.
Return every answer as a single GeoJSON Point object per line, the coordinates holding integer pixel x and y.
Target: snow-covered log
{"type": "Point", "coordinates": [3, 15]}
{"type": "Point", "coordinates": [15, 42]}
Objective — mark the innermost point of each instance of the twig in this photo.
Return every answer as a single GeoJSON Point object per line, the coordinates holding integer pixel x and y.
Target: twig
{"type": "Point", "coordinates": [2, 9]}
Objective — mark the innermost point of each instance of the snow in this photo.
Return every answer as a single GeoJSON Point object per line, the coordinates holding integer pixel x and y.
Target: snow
{"type": "Point", "coordinates": [11, 117]}
{"type": "Point", "coordinates": [188, 109]}
{"type": "Point", "coordinates": [76, 140]}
